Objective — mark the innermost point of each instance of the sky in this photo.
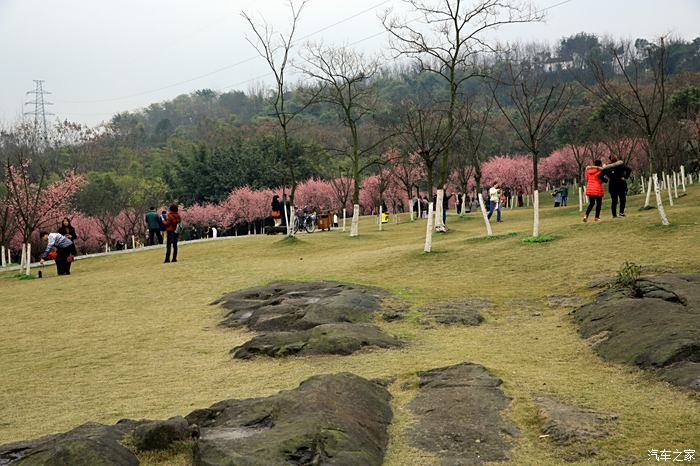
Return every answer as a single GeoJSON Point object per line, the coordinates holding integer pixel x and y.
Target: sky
{"type": "Point", "coordinates": [100, 57]}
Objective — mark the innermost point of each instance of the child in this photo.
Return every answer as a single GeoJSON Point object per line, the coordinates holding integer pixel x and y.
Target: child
{"type": "Point", "coordinates": [557, 197]}
{"type": "Point", "coordinates": [594, 189]}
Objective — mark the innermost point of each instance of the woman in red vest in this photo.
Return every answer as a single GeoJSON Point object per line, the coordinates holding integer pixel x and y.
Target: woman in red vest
{"type": "Point", "coordinates": [594, 189]}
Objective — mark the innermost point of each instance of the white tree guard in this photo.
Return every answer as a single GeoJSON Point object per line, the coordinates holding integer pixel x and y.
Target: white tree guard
{"type": "Point", "coordinates": [536, 208]}
{"type": "Point", "coordinates": [428, 246]}
{"type": "Point", "coordinates": [438, 209]}
{"type": "Point", "coordinates": [487, 222]}
{"type": "Point", "coordinates": [355, 224]}
{"type": "Point", "coordinates": [659, 204]}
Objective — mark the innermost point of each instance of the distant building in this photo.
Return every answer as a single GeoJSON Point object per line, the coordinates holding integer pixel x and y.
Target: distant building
{"type": "Point", "coordinates": [557, 64]}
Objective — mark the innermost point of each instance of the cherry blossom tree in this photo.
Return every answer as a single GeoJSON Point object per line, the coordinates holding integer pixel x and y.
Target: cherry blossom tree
{"type": "Point", "coordinates": [316, 194]}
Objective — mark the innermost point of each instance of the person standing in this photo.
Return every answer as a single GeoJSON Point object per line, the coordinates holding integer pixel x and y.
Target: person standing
{"type": "Point", "coordinates": [153, 224]}
{"type": "Point", "coordinates": [617, 173]}
{"type": "Point", "coordinates": [564, 190]}
{"type": "Point", "coordinates": [494, 201]}
{"type": "Point", "coordinates": [172, 222]}
{"type": "Point", "coordinates": [63, 247]}
{"type": "Point", "coordinates": [458, 203]}
{"type": "Point", "coordinates": [594, 189]}
{"type": "Point", "coordinates": [67, 230]}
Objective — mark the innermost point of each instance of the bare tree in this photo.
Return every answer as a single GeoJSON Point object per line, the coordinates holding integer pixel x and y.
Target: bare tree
{"type": "Point", "coordinates": [448, 39]}
{"type": "Point", "coordinates": [275, 49]}
{"type": "Point", "coordinates": [532, 105]}
{"type": "Point", "coordinates": [346, 76]}
{"type": "Point", "coordinates": [471, 139]}
{"type": "Point", "coordinates": [639, 95]}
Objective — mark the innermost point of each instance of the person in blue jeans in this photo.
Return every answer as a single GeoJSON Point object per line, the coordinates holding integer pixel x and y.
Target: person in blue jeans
{"type": "Point", "coordinates": [171, 227]}
{"type": "Point", "coordinates": [494, 201]}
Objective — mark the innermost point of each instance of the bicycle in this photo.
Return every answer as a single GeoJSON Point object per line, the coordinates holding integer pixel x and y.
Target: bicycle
{"type": "Point", "coordinates": [305, 221]}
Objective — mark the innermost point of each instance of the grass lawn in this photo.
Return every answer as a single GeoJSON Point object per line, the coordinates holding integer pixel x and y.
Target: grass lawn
{"type": "Point", "coordinates": [127, 336]}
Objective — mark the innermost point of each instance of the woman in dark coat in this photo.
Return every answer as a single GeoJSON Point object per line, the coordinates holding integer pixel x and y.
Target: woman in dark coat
{"type": "Point", "coordinates": [617, 173]}
{"type": "Point", "coordinates": [67, 230]}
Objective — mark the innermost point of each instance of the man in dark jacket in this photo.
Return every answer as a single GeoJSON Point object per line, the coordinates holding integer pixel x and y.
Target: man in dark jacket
{"type": "Point", "coordinates": [63, 247]}
{"type": "Point", "coordinates": [153, 224]}
{"type": "Point", "coordinates": [617, 173]}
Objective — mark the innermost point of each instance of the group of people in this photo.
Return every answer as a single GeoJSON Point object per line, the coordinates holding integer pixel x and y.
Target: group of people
{"type": "Point", "coordinates": [615, 174]}
{"type": "Point", "coordinates": [168, 222]}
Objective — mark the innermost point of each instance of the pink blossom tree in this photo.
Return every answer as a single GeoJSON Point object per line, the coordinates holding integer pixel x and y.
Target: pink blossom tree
{"type": "Point", "coordinates": [406, 170]}
{"type": "Point", "coordinates": [317, 194]}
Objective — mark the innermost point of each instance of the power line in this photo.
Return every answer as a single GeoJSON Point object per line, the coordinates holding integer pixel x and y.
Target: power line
{"type": "Point", "coordinates": [224, 68]}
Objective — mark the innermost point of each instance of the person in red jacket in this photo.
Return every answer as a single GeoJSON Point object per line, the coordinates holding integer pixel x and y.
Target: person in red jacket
{"type": "Point", "coordinates": [171, 222]}
{"type": "Point", "coordinates": [594, 189]}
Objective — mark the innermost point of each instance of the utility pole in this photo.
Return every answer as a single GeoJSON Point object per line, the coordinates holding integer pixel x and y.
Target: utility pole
{"type": "Point", "coordinates": [41, 131]}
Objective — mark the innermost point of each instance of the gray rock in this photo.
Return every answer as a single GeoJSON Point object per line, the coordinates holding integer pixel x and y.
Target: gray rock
{"type": "Point", "coordinates": [323, 339]}
{"type": "Point", "coordinates": [159, 435]}
{"type": "Point", "coordinates": [459, 312]}
{"type": "Point", "coordinates": [458, 415]}
{"type": "Point", "coordinates": [566, 424]}
{"type": "Point", "coordinates": [655, 325]}
{"type": "Point", "coordinates": [90, 444]}
{"type": "Point", "coordinates": [338, 419]}
{"type": "Point", "coordinates": [285, 306]}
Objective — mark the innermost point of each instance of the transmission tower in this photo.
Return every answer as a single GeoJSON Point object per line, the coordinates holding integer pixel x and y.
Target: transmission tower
{"type": "Point", "coordinates": [41, 130]}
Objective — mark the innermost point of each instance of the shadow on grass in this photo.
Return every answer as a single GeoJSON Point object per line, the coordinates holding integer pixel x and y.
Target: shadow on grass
{"type": "Point", "coordinates": [492, 237]}
{"type": "Point", "coordinates": [290, 241]}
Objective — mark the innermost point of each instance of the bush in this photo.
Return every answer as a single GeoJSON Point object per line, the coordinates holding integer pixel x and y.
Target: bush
{"type": "Point", "coordinates": [628, 275]}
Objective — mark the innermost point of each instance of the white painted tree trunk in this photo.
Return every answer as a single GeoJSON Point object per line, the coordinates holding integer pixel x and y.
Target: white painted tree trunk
{"type": "Point", "coordinates": [344, 216]}
{"type": "Point", "coordinates": [381, 212]}
{"type": "Point", "coordinates": [3, 256]}
{"type": "Point", "coordinates": [439, 224]}
{"type": "Point", "coordinates": [29, 259]}
{"type": "Point", "coordinates": [133, 242]}
{"type": "Point", "coordinates": [420, 209]}
{"type": "Point", "coordinates": [410, 204]}
{"type": "Point", "coordinates": [286, 219]}
{"type": "Point", "coordinates": [536, 208]}
{"type": "Point", "coordinates": [647, 202]}
{"type": "Point", "coordinates": [355, 224]}
{"type": "Point", "coordinates": [23, 257]}
{"type": "Point", "coordinates": [487, 222]}
{"type": "Point", "coordinates": [644, 189]}
{"type": "Point", "coordinates": [9, 257]}
{"type": "Point", "coordinates": [659, 204]}
{"type": "Point", "coordinates": [668, 188]}
{"type": "Point", "coordinates": [428, 247]}
{"type": "Point", "coordinates": [580, 199]}
{"type": "Point", "coordinates": [663, 180]}
{"type": "Point", "coordinates": [675, 185]}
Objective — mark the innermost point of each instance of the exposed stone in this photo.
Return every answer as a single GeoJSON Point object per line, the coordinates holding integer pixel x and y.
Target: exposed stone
{"type": "Point", "coordinates": [654, 325]}
{"type": "Point", "coordinates": [286, 306]}
{"type": "Point", "coordinates": [159, 435]}
{"type": "Point", "coordinates": [566, 424]}
{"type": "Point", "coordinates": [460, 312]}
{"type": "Point", "coordinates": [90, 444]}
{"type": "Point", "coordinates": [338, 419]}
{"type": "Point", "coordinates": [458, 415]}
{"type": "Point", "coordinates": [564, 301]}
{"type": "Point", "coordinates": [324, 339]}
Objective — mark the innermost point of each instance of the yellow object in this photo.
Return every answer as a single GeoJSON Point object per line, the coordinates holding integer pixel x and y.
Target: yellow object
{"type": "Point", "coordinates": [385, 217]}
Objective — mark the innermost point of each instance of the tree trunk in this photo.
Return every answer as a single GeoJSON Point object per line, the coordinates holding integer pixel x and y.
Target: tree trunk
{"type": "Point", "coordinates": [675, 185]}
{"type": "Point", "coordinates": [683, 177]}
{"type": "Point", "coordinates": [344, 216]}
{"type": "Point", "coordinates": [659, 204]}
{"type": "Point", "coordinates": [580, 199]}
{"type": "Point", "coordinates": [536, 209]}
{"type": "Point", "coordinates": [648, 198]}
{"type": "Point", "coordinates": [381, 211]}
{"type": "Point", "coordinates": [23, 257]}
{"type": "Point", "coordinates": [428, 247]}
{"type": "Point", "coordinates": [489, 232]}
{"type": "Point", "coordinates": [439, 224]}
{"type": "Point", "coordinates": [354, 225]}
{"type": "Point", "coordinates": [29, 258]}
{"type": "Point", "coordinates": [668, 188]}
{"type": "Point", "coordinates": [2, 256]}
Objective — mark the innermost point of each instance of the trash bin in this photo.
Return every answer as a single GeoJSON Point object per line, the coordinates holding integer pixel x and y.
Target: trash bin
{"type": "Point", "coordinates": [385, 217]}
{"type": "Point", "coordinates": [323, 221]}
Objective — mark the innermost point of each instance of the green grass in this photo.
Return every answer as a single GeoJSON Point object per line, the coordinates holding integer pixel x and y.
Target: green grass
{"type": "Point", "coordinates": [538, 239]}
{"type": "Point", "coordinates": [127, 336]}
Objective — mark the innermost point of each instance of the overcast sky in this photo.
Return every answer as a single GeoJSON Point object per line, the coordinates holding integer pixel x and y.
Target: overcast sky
{"type": "Point", "coordinates": [99, 57]}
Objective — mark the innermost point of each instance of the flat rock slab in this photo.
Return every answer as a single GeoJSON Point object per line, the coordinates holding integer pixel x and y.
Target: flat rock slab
{"type": "Point", "coordinates": [458, 415]}
{"type": "Point", "coordinates": [456, 312]}
{"type": "Point", "coordinates": [655, 326]}
{"type": "Point", "coordinates": [90, 444]}
{"type": "Point", "coordinates": [341, 339]}
{"type": "Point", "coordinates": [285, 306]}
{"type": "Point", "coordinates": [338, 419]}
{"type": "Point", "coordinates": [566, 424]}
